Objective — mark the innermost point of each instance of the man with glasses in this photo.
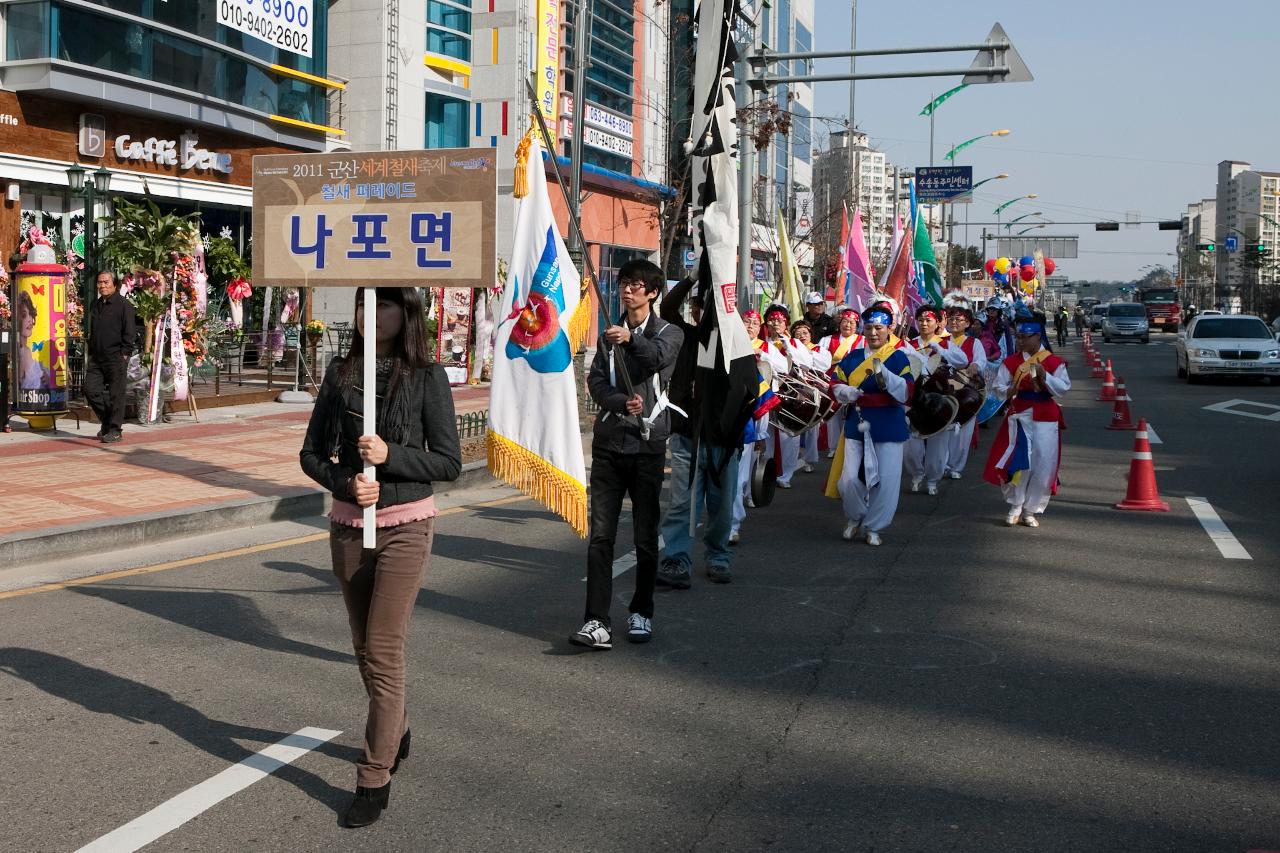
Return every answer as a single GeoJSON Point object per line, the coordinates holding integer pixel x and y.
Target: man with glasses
{"type": "Point", "coordinates": [628, 380]}
{"type": "Point", "coordinates": [1027, 448]}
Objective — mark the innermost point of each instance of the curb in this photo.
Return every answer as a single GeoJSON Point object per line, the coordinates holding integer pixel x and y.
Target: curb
{"type": "Point", "coordinates": [112, 534]}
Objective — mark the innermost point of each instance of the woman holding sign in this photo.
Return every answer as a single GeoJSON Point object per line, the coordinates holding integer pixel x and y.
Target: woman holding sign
{"type": "Point", "coordinates": [416, 445]}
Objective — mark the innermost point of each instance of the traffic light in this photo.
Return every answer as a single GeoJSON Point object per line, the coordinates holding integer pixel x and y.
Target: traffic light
{"type": "Point", "coordinates": [1262, 249]}
{"type": "Point", "coordinates": [1205, 247]}
{"type": "Point", "coordinates": [1169, 225]}
{"type": "Point", "coordinates": [1106, 226]}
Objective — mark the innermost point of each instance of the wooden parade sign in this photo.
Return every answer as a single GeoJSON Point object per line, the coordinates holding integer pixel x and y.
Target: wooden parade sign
{"type": "Point", "coordinates": [389, 218]}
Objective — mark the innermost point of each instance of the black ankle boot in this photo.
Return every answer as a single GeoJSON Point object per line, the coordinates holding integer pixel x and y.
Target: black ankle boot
{"type": "Point", "coordinates": [403, 752]}
{"type": "Point", "coordinates": [368, 805]}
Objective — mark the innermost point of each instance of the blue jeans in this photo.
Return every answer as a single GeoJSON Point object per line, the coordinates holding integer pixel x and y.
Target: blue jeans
{"type": "Point", "coordinates": [716, 497]}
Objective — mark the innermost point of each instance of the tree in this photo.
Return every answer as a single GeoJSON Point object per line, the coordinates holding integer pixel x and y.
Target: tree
{"type": "Point", "coordinates": [961, 259]}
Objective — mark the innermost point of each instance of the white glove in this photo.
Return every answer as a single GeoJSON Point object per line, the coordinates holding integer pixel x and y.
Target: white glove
{"type": "Point", "coordinates": [846, 394]}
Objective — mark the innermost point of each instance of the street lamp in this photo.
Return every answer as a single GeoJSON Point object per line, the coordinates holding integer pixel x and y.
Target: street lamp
{"type": "Point", "coordinates": [1018, 219]}
{"type": "Point", "coordinates": [951, 155]}
{"type": "Point", "coordinates": [998, 177]}
{"type": "Point", "coordinates": [88, 185]}
{"type": "Point", "coordinates": [998, 211]}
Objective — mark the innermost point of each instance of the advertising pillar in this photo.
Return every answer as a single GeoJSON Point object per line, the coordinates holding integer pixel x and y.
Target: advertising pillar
{"type": "Point", "coordinates": [40, 341]}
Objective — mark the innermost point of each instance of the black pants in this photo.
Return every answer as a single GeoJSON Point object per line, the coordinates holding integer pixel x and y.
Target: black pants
{"type": "Point", "coordinates": [104, 389]}
{"type": "Point", "coordinates": [614, 475]}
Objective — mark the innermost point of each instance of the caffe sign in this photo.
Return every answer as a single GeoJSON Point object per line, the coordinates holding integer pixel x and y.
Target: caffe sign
{"type": "Point", "coordinates": [184, 153]}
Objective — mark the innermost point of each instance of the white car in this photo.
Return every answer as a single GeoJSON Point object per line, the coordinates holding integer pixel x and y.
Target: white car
{"type": "Point", "coordinates": [1227, 345]}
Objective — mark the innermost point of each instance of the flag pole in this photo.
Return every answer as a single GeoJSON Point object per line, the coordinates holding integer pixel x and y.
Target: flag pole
{"type": "Point", "coordinates": [370, 417]}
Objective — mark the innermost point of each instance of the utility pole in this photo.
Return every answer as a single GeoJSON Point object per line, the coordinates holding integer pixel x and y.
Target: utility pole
{"type": "Point", "coordinates": [746, 178]}
{"type": "Point", "coordinates": [581, 44]}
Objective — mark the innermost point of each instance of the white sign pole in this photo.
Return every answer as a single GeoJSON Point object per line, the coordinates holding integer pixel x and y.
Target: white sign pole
{"type": "Point", "coordinates": [370, 402]}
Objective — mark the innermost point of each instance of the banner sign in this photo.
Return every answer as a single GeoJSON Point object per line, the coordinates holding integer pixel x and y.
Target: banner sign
{"type": "Point", "coordinates": [594, 115]}
{"type": "Point", "coordinates": [935, 184]}
{"type": "Point", "coordinates": [40, 326]}
{"type": "Point", "coordinates": [389, 218]}
{"type": "Point", "coordinates": [547, 59]}
{"type": "Point", "coordinates": [803, 225]}
{"type": "Point", "coordinates": [286, 24]}
{"type": "Point", "coordinates": [453, 331]}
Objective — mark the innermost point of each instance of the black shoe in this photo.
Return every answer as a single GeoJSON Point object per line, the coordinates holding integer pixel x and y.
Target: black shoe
{"type": "Point", "coordinates": [719, 574]}
{"type": "Point", "coordinates": [673, 575]}
{"type": "Point", "coordinates": [112, 437]}
{"type": "Point", "coordinates": [368, 805]}
{"type": "Point", "coordinates": [101, 433]}
{"type": "Point", "coordinates": [404, 751]}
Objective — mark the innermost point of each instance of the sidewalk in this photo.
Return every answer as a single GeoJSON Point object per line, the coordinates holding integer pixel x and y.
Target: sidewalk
{"type": "Point", "coordinates": [68, 493]}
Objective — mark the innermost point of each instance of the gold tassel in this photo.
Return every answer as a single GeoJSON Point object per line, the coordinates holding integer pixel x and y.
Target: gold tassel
{"type": "Point", "coordinates": [580, 322]}
{"type": "Point", "coordinates": [538, 479]}
{"type": "Point", "coordinates": [520, 181]}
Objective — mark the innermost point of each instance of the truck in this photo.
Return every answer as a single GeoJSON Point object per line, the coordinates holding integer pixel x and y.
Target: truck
{"type": "Point", "coordinates": [1164, 314]}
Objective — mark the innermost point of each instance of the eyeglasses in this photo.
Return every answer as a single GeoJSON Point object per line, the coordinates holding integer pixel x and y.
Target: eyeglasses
{"type": "Point", "coordinates": [626, 286]}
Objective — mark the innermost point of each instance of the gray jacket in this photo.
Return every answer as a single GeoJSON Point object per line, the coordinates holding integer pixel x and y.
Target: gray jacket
{"type": "Point", "coordinates": [651, 353]}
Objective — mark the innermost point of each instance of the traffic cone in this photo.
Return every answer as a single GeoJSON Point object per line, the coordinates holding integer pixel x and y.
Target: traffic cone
{"type": "Point", "coordinates": [1120, 417]}
{"type": "Point", "coordinates": [1142, 493]}
{"type": "Point", "coordinates": [1095, 365]}
{"type": "Point", "coordinates": [1108, 392]}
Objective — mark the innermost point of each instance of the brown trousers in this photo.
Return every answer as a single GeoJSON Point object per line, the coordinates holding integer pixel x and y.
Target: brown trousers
{"type": "Point", "coordinates": [380, 588]}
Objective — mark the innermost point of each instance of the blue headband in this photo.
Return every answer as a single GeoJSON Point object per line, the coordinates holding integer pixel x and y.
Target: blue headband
{"type": "Point", "coordinates": [878, 318]}
{"type": "Point", "coordinates": [1029, 328]}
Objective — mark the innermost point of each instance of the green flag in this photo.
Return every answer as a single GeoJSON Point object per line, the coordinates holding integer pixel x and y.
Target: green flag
{"type": "Point", "coordinates": [922, 249]}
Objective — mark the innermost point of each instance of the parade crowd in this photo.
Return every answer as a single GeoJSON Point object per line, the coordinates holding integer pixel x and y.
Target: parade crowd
{"type": "Point", "coordinates": [883, 395]}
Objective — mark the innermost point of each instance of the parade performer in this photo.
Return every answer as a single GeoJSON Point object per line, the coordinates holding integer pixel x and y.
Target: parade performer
{"type": "Point", "coordinates": [959, 322]}
{"type": "Point", "coordinates": [771, 361]}
{"type": "Point", "coordinates": [1026, 451]}
{"type": "Point", "coordinates": [874, 380]}
{"type": "Point", "coordinates": [831, 350]}
{"type": "Point", "coordinates": [786, 447]}
{"type": "Point", "coordinates": [802, 333]}
{"type": "Point", "coordinates": [925, 459]}
{"type": "Point", "coordinates": [416, 445]}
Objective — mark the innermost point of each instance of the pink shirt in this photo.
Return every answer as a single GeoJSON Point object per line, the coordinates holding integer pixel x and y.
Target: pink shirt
{"type": "Point", "coordinates": [351, 515]}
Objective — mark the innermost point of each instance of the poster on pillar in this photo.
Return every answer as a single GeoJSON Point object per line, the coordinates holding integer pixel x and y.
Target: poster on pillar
{"type": "Point", "coordinates": [387, 218]}
{"type": "Point", "coordinates": [453, 332]}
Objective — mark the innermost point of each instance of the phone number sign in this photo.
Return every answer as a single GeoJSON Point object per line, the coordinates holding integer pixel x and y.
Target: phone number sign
{"type": "Point", "coordinates": [286, 24]}
{"type": "Point", "coordinates": [391, 218]}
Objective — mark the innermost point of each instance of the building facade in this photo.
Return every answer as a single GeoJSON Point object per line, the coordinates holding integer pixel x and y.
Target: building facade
{"type": "Point", "coordinates": [1247, 207]}
{"type": "Point", "coordinates": [1197, 268]}
{"type": "Point", "coordinates": [166, 98]}
{"type": "Point", "coordinates": [851, 169]}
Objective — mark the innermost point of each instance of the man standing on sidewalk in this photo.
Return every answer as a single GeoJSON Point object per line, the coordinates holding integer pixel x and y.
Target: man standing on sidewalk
{"type": "Point", "coordinates": [710, 478]}
{"type": "Point", "coordinates": [628, 381]}
{"type": "Point", "coordinates": [111, 339]}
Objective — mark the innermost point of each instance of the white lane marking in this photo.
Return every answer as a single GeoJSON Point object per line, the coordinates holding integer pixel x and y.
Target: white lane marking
{"type": "Point", "coordinates": [1230, 407]}
{"type": "Point", "coordinates": [1218, 531]}
{"type": "Point", "coordinates": [1152, 438]}
{"type": "Point", "coordinates": [173, 813]}
{"type": "Point", "coordinates": [627, 561]}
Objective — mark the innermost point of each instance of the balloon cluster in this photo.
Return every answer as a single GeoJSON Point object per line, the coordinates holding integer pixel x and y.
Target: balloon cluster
{"type": "Point", "coordinates": [1005, 272]}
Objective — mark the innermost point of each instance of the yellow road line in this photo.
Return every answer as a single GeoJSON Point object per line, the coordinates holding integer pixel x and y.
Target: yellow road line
{"type": "Point", "coordinates": [221, 555]}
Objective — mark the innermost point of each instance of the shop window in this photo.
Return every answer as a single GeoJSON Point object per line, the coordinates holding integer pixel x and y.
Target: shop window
{"type": "Point", "coordinates": [446, 122]}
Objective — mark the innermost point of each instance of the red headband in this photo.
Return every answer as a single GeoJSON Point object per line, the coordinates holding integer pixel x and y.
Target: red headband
{"type": "Point", "coordinates": [749, 315]}
{"type": "Point", "coordinates": [777, 310]}
{"type": "Point", "coordinates": [848, 312]}
{"type": "Point", "coordinates": [929, 312]}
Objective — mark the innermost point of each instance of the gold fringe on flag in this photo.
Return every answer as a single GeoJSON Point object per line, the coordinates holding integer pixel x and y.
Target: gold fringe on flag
{"type": "Point", "coordinates": [520, 181]}
{"type": "Point", "coordinates": [580, 322]}
{"type": "Point", "coordinates": [538, 479]}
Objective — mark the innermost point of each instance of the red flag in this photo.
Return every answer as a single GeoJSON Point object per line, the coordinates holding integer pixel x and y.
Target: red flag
{"type": "Point", "coordinates": [894, 284]}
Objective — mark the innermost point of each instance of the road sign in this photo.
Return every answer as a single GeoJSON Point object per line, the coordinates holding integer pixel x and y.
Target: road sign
{"type": "Point", "coordinates": [1232, 243]}
{"type": "Point", "coordinates": [936, 184]}
{"type": "Point", "coordinates": [758, 270]}
{"type": "Point", "coordinates": [689, 259]}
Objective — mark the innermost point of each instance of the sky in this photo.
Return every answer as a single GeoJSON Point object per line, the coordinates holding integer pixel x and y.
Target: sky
{"type": "Point", "coordinates": [1134, 103]}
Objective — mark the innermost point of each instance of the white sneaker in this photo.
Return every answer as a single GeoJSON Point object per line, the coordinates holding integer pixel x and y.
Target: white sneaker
{"type": "Point", "coordinates": [915, 486]}
{"type": "Point", "coordinates": [1030, 520]}
{"type": "Point", "coordinates": [593, 635]}
{"type": "Point", "coordinates": [1011, 520]}
{"type": "Point", "coordinates": [831, 454]}
{"type": "Point", "coordinates": [784, 484]}
{"type": "Point", "coordinates": [931, 489]}
{"type": "Point", "coordinates": [733, 537]}
{"type": "Point", "coordinates": [850, 530]}
{"type": "Point", "coordinates": [639, 629]}
{"type": "Point", "coordinates": [955, 475]}
{"type": "Point", "coordinates": [808, 469]}
{"type": "Point", "coordinates": [873, 538]}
